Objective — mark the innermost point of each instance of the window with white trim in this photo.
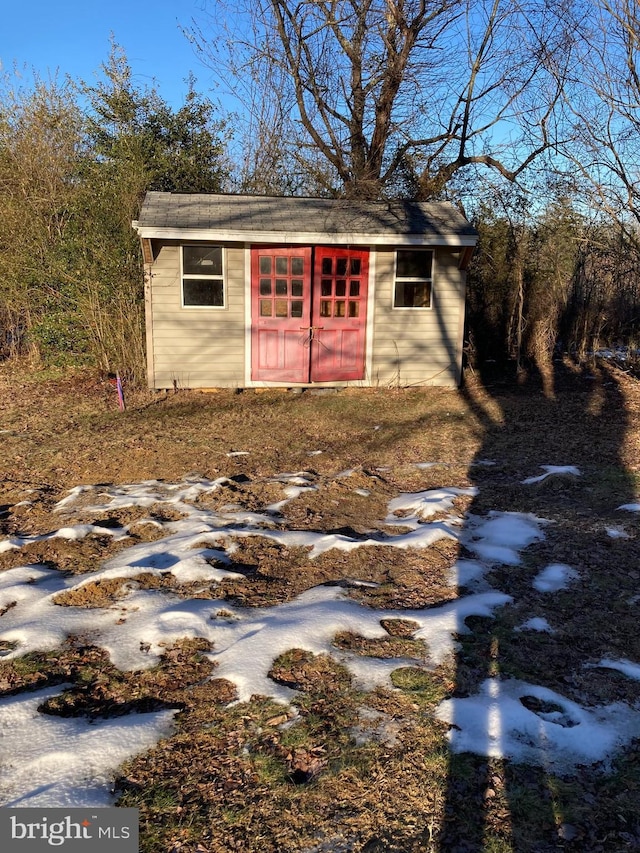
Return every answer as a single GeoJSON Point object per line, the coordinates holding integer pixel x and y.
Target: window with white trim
{"type": "Point", "coordinates": [202, 276]}
{"type": "Point", "coordinates": [414, 278]}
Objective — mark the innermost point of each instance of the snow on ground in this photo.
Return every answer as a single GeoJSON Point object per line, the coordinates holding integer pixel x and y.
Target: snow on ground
{"type": "Point", "coordinates": [553, 471]}
{"type": "Point", "coordinates": [554, 577]}
{"type": "Point", "coordinates": [616, 533]}
{"type": "Point", "coordinates": [67, 762]}
{"type": "Point", "coordinates": [626, 667]}
{"type": "Point", "coordinates": [537, 623]}
{"type": "Point", "coordinates": [53, 761]}
{"type": "Point", "coordinates": [630, 507]}
{"type": "Point", "coordinates": [553, 732]}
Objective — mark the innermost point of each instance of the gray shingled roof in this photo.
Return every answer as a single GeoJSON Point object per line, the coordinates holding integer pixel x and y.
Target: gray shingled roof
{"type": "Point", "coordinates": [251, 214]}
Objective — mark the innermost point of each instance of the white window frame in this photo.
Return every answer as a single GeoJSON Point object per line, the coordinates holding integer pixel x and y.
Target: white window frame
{"type": "Point", "coordinates": [186, 276]}
{"type": "Point", "coordinates": [397, 278]}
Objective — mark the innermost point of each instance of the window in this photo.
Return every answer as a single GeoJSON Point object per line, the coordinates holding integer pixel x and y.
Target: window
{"type": "Point", "coordinates": [413, 278]}
{"type": "Point", "coordinates": [202, 277]}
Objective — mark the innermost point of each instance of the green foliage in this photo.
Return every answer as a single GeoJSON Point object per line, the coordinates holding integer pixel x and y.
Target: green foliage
{"type": "Point", "coordinates": [71, 182]}
{"type": "Point", "coordinates": [163, 149]}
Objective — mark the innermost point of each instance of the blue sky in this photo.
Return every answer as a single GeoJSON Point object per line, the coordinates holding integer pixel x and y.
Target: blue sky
{"type": "Point", "coordinates": [72, 37]}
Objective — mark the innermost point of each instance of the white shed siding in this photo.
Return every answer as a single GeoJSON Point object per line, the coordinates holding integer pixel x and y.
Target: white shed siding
{"type": "Point", "coordinates": [414, 346]}
{"type": "Point", "coordinates": [196, 347]}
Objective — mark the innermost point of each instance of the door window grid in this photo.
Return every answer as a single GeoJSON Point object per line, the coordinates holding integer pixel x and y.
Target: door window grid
{"type": "Point", "coordinates": [281, 286]}
{"type": "Point", "coordinates": [340, 287]}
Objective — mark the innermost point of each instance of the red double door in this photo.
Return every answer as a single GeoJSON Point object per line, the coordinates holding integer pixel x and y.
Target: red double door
{"type": "Point", "coordinates": [308, 313]}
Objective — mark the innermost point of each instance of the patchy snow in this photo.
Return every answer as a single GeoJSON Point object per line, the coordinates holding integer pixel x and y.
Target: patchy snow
{"type": "Point", "coordinates": [53, 761]}
{"type": "Point", "coordinates": [67, 762]}
{"type": "Point", "coordinates": [500, 537]}
{"type": "Point", "coordinates": [466, 573]}
{"type": "Point", "coordinates": [554, 577]}
{"type": "Point", "coordinates": [537, 623]}
{"type": "Point", "coordinates": [412, 509]}
{"type": "Point", "coordinates": [626, 667]}
{"type": "Point", "coordinates": [553, 471]}
{"type": "Point", "coordinates": [617, 533]}
{"type": "Point", "coordinates": [630, 507]}
{"type": "Point", "coordinates": [558, 734]}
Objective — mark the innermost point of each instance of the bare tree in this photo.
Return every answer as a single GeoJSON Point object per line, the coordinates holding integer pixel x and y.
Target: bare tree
{"type": "Point", "coordinates": [387, 92]}
{"type": "Point", "coordinates": [606, 108]}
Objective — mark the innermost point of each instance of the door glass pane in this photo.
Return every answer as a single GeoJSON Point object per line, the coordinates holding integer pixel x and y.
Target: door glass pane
{"type": "Point", "coordinates": [341, 266]}
{"type": "Point", "coordinates": [296, 287]}
{"type": "Point", "coordinates": [265, 265]}
{"type": "Point", "coordinates": [282, 308]}
{"type": "Point", "coordinates": [281, 287]}
{"type": "Point", "coordinates": [354, 288]}
{"type": "Point", "coordinates": [297, 266]}
{"type": "Point", "coordinates": [265, 287]}
{"type": "Point", "coordinates": [355, 266]}
{"type": "Point", "coordinates": [296, 308]}
{"type": "Point", "coordinates": [339, 311]}
{"type": "Point", "coordinates": [265, 307]}
{"type": "Point", "coordinates": [327, 266]}
{"type": "Point", "coordinates": [326, 287]}
{"type": "Point", "coordinates": [341, 287]}
{"type": "Point", "coordinates": [325, 308]}
{"type": "Point", "coordinates": [282, 266]}
{"type": "Point", "coordinates": [354, 309]}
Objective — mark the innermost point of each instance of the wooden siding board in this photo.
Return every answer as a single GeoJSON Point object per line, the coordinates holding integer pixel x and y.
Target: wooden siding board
{"type": "Point", "coordinates": [200, 347]}
{"type": "Point", "coordinates": [418, 347]}
{"type": "Point", "coordinates": [192, 346]}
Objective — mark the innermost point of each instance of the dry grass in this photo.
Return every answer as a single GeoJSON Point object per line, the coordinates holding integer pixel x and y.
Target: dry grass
{"type": "Point", "coordinates": [348, 771]}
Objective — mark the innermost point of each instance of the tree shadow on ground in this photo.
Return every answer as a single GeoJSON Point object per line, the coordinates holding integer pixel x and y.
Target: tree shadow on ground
{"type": "Point", "coordinates": [572, 416]}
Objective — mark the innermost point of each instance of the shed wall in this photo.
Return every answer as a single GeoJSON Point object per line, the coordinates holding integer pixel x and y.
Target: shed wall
{"type": "Point", "coordinates": [205, 347]}
{"type": "Point", "coordinates": [419, 346]}
{"type": "Point", "coordinates": [196, 347]}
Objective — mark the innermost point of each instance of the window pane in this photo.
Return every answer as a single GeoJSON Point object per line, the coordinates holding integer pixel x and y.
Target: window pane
{"type": "Point", "coordinates": [203, 291]}
{"type": "Point", "coordinates": [341, 266]}
{"type": "Point", "coordinates": [202, 260]}
{"type": "Point", "coordinates": [265, 307]}
{"type": "Point", "coordinates": [325, 308]}
{"type": "Point", "coordinates": [412, 294]}
{"type": "Point", "coordinates": [296, 308]}
{"type": "Point", "coordinates": [296, 287]}
{"type": "Point", "coordinates": [341, 287]}
{"type": "Point", "coordinates": [339, 310]}
{"type": "Point", "coordinates": [265, 287]}
{"type": "Point", "coordinates": [355, 266]}
{"type": "Point", "coordinates": [354, 288]}
{"type": "Point", "coordinates": [281, 286]}
{"type": "Point", "coordinates": [413, 263]}
{"type": "Point", "coordinates": [326, 287]}
{"type": "Point", "coordinates": [354, 309]}
{"type": "Point", "coordinates": [282, 266]}
{"type": "Point", "coordinates": [265, 265]}
{"type": "Point", "coordinates": [297, 266]}
{"type": "Point", "coordinates": [327, 266]}
{"type": "Point", "coordinates": [282, 308]}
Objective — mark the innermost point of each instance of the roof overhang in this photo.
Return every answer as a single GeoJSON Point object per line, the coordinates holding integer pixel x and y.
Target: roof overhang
{"type": "Point", "coordinates": [301, 238]}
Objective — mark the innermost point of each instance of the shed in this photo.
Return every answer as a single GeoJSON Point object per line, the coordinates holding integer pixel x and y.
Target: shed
{"type": "Point", "coordinates": [250, 291]}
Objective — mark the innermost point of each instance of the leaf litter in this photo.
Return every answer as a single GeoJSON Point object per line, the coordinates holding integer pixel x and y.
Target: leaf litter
{"type": "Point", "coordinates": [229, 770]}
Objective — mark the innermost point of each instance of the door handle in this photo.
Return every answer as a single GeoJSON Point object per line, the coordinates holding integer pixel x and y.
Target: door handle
{"type": "Point", "coordinates": [311, 336]}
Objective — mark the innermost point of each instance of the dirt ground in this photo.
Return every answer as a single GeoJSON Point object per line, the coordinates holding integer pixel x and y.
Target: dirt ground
{"type": "Point", "coordinates": [241, 778]}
